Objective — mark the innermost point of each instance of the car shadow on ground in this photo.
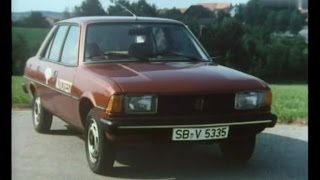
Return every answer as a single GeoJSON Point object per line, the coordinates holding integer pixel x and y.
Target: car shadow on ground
{"type": "Point", "coordinates": [275, 155]}
{"type": "Point", "coordinates": [69, 131]}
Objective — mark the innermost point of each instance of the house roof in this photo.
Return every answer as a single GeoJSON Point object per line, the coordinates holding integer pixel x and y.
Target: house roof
{"type": "Point", "coordinates": [182, 10]}
{"type": "Point", "coordinates": [215, 6]}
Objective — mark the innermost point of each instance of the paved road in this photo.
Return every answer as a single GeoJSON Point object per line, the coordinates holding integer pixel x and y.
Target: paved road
{"type": "Point", "coordinates": [281, 153]}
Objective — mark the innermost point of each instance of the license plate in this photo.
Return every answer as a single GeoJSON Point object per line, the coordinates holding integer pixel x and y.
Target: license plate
{"type": "Point", "coordinates": [194, 134]}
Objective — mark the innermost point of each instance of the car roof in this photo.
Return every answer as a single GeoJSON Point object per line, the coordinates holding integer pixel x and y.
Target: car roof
{"type": "Point", "coordinates": [101, 19]}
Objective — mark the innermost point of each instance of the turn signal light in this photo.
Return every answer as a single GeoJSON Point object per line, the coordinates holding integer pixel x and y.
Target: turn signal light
{"type": "Point", "coordinates": [115, 104]}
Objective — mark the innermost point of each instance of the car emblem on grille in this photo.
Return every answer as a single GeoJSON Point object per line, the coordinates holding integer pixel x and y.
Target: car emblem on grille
{"type": "Point", "coordinates": [199, 104]}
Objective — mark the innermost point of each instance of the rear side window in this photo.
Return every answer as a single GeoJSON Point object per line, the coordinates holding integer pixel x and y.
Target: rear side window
{"type": "Point", "coordinates": [55, 46]}
{"type": "Point", "coordinates": [70, 49]}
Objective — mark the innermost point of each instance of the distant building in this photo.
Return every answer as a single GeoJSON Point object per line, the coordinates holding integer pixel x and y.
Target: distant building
{"type": "Point", "coordinates": [182, 10]}
{"type": "Point", "coordinates": [304, 33]}
{"type": "Point", "coordinates": [197, 11]}
{"type": "Point", "coordinates": [203, 10]}
{"type": "Point", "coordinates": [217, 6]}
{"type": "Point", "coordinates": [233, 11]}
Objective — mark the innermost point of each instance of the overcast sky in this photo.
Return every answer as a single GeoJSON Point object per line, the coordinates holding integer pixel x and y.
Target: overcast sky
{"type": "Point", "coordinates": [60, 5]}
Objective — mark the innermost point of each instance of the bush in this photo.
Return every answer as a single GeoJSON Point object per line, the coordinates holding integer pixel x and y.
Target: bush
{"type": "Point", "coordinates": [253, 49]}
{"type": "Point", "coordinates": [35, 20]}
{"type": "Point", "coordinates": [286, 59]}
{"type": "Point", "coordinates": [20, 53]}
{"type": "Point", "coordinates": [25, 44]}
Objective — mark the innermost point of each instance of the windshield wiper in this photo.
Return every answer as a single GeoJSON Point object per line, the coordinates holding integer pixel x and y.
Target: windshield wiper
{"type": "Point", "coordinates": [124, 54]}
{"type": "Point", "coordinates": [94, 57]}
{"type": "Point", "coordinates": [120, 53]}
{"type": "Point", "coordinates": [192, 58]}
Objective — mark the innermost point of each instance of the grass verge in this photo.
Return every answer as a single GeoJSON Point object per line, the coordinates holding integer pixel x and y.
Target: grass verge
{"type": "Point", "coordinates": [19, 98]}
{"type": "Point", "coordinates": [290, 103]}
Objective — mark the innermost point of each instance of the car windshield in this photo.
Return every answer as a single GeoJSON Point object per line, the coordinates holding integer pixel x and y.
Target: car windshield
{"type": "Point", "coordinates": [141, 42]}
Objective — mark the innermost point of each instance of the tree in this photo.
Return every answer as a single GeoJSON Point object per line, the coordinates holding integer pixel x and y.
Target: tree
{"type": "Point", "coordinates": [66, 14]}
{"type": "Point", "coordinates": [172, 13]}
{"type": "Point", "coordinates": [254, 13]}
{"type": "Point", "coordinates": [117, 10]}
{"type": "Point", "coordinates": [283, 20]}
{"type": "Point", "coordinates": [271, 20]}
{"type": "Point", "coordinates": [239, 13]}
{"type": "Point", "coordinates": [221, 15]}
{"type": "Point", "coordinates": [20, 53]}
{"type": "Point", "coordinates": [35, 20]}
{"type": "Point", "coordinates": [228, 43]}
{"type": "Point", "coordinates": [296, 22]}
{"type": "Point", "coordinates": [140, 8]}
{"type": "Point", "coordinates": [297, 59]}
{"type": "Point", "coordinates": [254, 44]}
{"type": "Point", "coordinates": [89, 8]}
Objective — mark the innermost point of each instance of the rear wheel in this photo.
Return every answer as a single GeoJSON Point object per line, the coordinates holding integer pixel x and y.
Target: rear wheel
{"type": "Point", "coordinates": [42, 119]}
{"type": "Point", "coordinates": [238, 150]}
{"type": "Point", "coordinates": [99, 151]}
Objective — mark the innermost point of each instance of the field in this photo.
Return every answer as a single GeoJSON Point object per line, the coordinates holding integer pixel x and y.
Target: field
{"type": "Point", "coordinates": [19, 98]}
{"type": "Point", "coordinates": [290, 102]}
{"type": "Point", "coordinates": [33, 36]}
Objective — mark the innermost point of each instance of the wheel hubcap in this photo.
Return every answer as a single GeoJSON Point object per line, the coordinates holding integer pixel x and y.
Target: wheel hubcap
{"type": "Point", "coordinates": [93, 141]}
{"type": "Point", "coordinates": [36, 111]}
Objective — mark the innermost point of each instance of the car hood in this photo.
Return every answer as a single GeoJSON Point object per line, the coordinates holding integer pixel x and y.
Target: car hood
{"type": "Point", "coordinates": [176, 77]}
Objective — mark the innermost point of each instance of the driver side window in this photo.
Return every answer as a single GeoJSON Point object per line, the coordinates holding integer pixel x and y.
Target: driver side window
{"type": "Point", "coordinates": [161, 39]}
{"type": "Point", "coordinates": [70, 49]}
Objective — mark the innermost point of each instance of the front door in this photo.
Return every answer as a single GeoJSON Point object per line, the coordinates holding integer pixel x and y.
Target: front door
{"type": "Point", "coordinates": [62, 57]}
{"type": "Point", "coordinates": [65, 75]}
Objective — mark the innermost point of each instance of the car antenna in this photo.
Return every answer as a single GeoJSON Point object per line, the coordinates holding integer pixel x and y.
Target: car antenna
{"type": "Point", "coordinates": [122, 6]}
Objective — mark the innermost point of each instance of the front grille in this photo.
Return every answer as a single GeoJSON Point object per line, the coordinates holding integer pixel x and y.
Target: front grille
{"type": "Point", "coordinates": [196, 104]}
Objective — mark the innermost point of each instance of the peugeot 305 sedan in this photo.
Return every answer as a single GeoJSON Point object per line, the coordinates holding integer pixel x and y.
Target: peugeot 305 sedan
{"type": "Point", "coordinates": [140, 79]}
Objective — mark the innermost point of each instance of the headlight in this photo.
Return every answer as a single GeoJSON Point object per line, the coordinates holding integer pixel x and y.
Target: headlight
{"type": "Point", "coordinates": [140, 104]}
{"type": "Point", "coordinates": [252, 100]}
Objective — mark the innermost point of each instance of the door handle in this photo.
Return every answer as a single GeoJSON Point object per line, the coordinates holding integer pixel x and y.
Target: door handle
{"type": "Point", "coordinates": [55, 74]}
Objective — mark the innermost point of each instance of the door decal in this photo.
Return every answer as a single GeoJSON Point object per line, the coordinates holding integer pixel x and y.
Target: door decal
{"type": "Point", "coordinates": [63, 85]}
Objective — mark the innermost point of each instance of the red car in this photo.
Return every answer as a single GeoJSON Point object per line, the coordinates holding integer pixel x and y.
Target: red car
{"type": "Point", "coordinates": [133, 79]}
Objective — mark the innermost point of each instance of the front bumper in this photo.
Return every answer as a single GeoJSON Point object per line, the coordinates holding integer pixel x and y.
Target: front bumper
{"type": "Point", "coordinates": [160, 128]}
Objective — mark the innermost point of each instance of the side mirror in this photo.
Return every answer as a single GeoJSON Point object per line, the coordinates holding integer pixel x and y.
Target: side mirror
{"type": "Point", "coordinates": [216, 58]}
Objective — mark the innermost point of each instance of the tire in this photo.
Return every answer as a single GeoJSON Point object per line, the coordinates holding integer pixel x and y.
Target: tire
{"type": "Point", "coordinates": [238, 150]}
{"type": "Point", "coordinates": [41, 118]}
{"type": "Point", "coordinates": [99, 151]}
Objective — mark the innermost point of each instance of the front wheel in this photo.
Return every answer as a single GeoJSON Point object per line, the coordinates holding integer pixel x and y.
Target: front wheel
{"type": "Point", "coordinates": [238, 150]}
{"type": "Point", "coordinates": [42, 119]}
{"type": "Point", "coordinates": [99, 151]}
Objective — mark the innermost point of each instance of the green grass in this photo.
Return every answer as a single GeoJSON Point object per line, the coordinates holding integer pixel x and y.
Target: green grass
{"type": "Point", "coordinates": [290, 102]}
{"type": "Point", "coordinates": [33, 36]}
{"type": "Point", "coordinates": [19, 97]}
